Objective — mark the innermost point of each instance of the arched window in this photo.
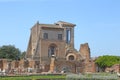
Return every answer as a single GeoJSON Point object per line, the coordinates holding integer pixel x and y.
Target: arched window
{"type": "Point", "coordinates": [52, 50]}
{"type": "Point", "coordinates": [71, 57]}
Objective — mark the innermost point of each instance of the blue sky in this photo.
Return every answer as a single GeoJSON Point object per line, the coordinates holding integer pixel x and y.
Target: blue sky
{"type": "Point", "coordinates": [98, 22]}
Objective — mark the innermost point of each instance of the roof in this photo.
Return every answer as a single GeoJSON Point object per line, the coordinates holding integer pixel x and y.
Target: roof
{"type": "Point", "coordinates": [50, 26]}
{"type": "Point", "coordinates": [65, 23]}
{"type": "Point", "coordinates": [59, 24]}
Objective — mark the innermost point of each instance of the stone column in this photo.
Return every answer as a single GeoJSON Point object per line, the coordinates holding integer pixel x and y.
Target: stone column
{"type": "Point", "coordinates": [72, 37]}
{"type": "Point", "coordinates": [64, 34]}
{"type": "Point", "coordinates": [52, 64]}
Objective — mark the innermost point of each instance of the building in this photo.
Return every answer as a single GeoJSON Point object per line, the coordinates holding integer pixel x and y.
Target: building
{"type": "Point", "coordinates": [51, 46]}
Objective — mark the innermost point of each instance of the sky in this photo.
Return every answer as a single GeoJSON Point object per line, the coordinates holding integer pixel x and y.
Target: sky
{"type": "Point", "coordinates": [97, 22]}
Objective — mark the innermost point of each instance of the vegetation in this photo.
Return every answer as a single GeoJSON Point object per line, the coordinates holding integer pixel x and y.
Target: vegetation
{"type": "Point", "coordinates": [23, 55]}
{"type": "Point", "coordinates": [39, 77]}
{"type": "Point", "coordinates": [10, 52]}
{"type": "Point", "coordinates": [107, 61]}
{"type": "Point", "coordinates": [97, 76]}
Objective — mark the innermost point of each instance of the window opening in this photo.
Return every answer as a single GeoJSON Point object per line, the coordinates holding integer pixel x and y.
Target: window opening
{"type": "Point", "coordinates": [59, 36]}
{"type": "Point", "coordinates": [45, 35]}
{"type": "Point", "coordinates": [71, 57]}
{"type": "Point", "coordinates": [68, 36]}
{"type": "Point", "coordinates": [51, 51]}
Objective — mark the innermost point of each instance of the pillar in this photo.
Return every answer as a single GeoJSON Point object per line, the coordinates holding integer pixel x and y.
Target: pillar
{"type": "Point", "coordinates": [72, 37]}
{"type": "Point", "coordinates": [65, 34]}
{"type": "Point", "coordinates": [52, 64]}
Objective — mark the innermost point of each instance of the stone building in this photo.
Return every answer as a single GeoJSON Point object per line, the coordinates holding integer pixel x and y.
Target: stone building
{"type": "Point", "coordinates": [51, 46]}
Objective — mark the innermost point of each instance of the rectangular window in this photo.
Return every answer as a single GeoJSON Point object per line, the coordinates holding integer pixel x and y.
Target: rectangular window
{"type": "Point", "coordinates": [59, 36]}
{"type": "Point", "coordinates": [68, 36]}
{"type": "Point", "coordinates": [45, 36]}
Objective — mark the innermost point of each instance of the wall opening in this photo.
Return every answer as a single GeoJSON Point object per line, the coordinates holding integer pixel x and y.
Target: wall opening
{"type": "Point", "coordinates": [71, 57]}
{"type": "Point", "coordinates": [68, 36]}
{"type": "Point", "coordinates": [51, 50]}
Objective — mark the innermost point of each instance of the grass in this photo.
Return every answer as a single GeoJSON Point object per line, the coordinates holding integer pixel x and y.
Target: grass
{"type": "Point", "coordinates": [97, 76]}
{"type": "Point", "coordinates": [49, 77]}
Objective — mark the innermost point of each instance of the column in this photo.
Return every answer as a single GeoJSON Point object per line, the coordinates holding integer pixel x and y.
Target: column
{"type": "Point", "coordinates": [72, 37]}
{"type": "Point", "coordinates": [52, 64]}
{"type": "Point", "coordinates": [64, 34]}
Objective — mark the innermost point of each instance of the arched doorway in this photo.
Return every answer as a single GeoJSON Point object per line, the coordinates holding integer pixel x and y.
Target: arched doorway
{"type": "Point", "coordinates": [52, 50]}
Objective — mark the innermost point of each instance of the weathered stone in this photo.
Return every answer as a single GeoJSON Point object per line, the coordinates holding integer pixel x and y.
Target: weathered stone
{"type": "Point", "coordinates": [3, 64]}
{"type": "Point", "coordinates": [85, 51]}
{"type": "Point", "coordinates": [58, 40]}
{"type": "Point", "coordinates": [48, 40]}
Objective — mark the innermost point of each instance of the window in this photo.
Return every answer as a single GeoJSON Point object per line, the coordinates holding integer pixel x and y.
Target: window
{"type": "Point", "coordinates": [59, 36]}
{"type": "Point", "coordinates": [45, 36]}
{"type": "Point", "coordinates": [68, 36]}
{"type": "Point", "coordinates": [71, 57]}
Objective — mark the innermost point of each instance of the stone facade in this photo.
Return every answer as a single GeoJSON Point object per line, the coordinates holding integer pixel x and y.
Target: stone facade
{"type": "Point", "coordinates": [47, 40]}
{"type": "Point", "coordinates": [51, 49]}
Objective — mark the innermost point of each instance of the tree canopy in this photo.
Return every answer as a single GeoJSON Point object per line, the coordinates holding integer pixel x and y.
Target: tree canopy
{"type": "Point", "coordinates": [10, 52]}
{"type": "Point", "coordinates": [107, 61]}
{"type": "Point", "coordinates": [23, 55]}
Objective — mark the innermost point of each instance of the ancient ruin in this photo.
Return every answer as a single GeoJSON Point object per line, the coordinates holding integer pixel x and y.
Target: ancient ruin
{"type": "Point", "coordinates": [51, 50]}
{"type": "Point", "coordinates": [51, 46]}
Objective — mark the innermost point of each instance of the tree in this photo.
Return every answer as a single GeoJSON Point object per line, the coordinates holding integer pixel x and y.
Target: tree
{"type": "Point", "coordinates": [10, 52]}
{"type": "Point", "coordinates": [23, 55]}
{"type": "Point", "coordinates": [107, 61]}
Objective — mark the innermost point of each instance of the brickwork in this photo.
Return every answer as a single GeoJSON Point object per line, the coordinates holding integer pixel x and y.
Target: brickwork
{"type": "Point", "coordinates": [58, 40]}
{"type": "Point", "coordinates": [114, 68]}
{"type": "Point", "coordinates": [3, 64]}
{"type": "Point", "coordinates": [47, 40]}
{"type": "Point", "coordinates": [85, 51]}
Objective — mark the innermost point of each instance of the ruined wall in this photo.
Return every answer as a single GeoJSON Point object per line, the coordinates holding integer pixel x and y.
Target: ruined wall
{"type": "Point", "coordinates": [90, 65]}
{"type": "Point", "coordinates": [5, 65]}
{"type": "Point", "coordinates": [85, 51]}
{"type": "Point", "coordinates": [35, 30]}
{"type": "Point", "coordinates": [67, 66]}
{"type": "Point", "coordinates": [64, 49]}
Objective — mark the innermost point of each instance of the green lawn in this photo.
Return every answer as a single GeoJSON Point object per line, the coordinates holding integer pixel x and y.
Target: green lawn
{"type": "Point", "coordinates": [94, 76]}
{"type": "Point", "coordinates": [47, 77]}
